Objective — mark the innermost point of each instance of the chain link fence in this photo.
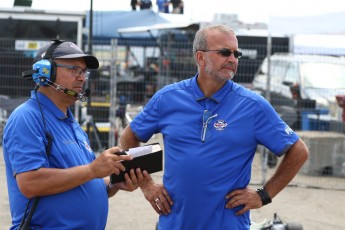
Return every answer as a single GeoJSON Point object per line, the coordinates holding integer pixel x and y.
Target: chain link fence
{"type": "Point", "coordinates": [131, 71]}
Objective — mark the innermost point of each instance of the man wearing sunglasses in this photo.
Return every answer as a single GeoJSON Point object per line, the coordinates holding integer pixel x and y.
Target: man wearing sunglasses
{"type": "Point", "coordinates": [211, 127]}
{"type": "Point", "coordinates": [54, 179]}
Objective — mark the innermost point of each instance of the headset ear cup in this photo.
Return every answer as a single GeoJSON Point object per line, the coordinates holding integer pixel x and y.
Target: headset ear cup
{"type": "Point", "coordinates": [42, 73]}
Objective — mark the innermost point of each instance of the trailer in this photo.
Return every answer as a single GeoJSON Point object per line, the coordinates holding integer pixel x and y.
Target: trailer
{"type": "Point", "coordinates": [22, 32]}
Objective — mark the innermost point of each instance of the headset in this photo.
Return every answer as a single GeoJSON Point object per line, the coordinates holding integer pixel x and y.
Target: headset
{"type": "Point", "coordinates": [43, 73]}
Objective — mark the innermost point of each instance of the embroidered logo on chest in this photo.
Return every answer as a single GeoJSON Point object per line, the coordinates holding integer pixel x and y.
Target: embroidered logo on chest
{"type": "Point", "coordinates": [220, 125]}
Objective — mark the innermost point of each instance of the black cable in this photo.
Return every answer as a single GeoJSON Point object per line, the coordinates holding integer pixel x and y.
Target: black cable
{"type": "Point", "coordinates": [31, 213]}
{"type": "Point", "coordinates": [24, 217]}
{"type": "Point", "coordinates": [24, 224]}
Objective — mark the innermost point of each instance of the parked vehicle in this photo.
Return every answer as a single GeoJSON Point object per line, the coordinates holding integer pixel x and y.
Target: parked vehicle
{"type": "Point", "coordinates": [303, 88]}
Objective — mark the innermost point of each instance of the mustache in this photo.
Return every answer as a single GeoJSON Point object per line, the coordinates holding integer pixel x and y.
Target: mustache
{"type": "Point", "coordinates": [230, 65]}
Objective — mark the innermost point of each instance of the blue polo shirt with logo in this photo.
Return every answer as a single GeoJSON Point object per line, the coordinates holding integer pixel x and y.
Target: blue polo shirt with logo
{"type": "Point", "coordinates": [209, 146]}
{"type": "Point", "coordinates": [83, 207]}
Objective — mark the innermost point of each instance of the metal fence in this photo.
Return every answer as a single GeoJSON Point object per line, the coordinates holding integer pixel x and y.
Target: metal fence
{"type": "Point", "coordinates": [132, 71]}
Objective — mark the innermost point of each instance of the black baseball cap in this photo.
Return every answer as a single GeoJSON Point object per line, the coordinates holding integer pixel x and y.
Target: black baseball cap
{"type": "Point", "coordinates": [66, 50]}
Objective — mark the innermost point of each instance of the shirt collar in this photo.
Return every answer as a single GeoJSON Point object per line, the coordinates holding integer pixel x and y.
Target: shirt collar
{"type": "Point", "coordinates": [217, 97]}
{"type": "Point", "coordinates": [46, 102]}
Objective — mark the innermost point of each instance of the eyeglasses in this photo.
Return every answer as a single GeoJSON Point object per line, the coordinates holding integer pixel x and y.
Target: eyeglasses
{"type": "Point", "coordinates": [225, 52]}
{"type": "Point", "coordinates": [77, 71]}
{"type": "Point", "coordinates": [206, 118]}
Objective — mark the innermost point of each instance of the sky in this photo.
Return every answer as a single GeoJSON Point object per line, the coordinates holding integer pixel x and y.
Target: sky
{"type": "Point", "coordinates": [248, 11]}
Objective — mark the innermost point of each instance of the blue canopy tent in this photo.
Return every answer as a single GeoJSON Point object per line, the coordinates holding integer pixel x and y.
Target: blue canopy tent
{"type": "Point", "coordinates": [106, 25]}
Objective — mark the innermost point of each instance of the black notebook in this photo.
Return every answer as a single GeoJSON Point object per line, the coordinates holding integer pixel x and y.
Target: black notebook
{"type": "Point", "coordinates": [148, 157]}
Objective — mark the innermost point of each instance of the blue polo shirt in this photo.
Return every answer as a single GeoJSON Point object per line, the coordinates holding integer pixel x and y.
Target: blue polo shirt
{"type": "Point", "coordinates": [203, 163]}
{"type": "Point", "coordinates": [84, 207]}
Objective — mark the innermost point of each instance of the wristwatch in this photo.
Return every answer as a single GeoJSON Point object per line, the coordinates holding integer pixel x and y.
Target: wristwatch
{"type": "Point", "coordinates": [265, 198]}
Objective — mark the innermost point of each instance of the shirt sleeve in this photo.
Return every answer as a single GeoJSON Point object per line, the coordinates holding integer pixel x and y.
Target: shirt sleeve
{"type": "Point", "coordinates": [26, 143]}
{"type": "Point", "coordinates": [271, 131]}
{"type": "Point", "coordinates": [146, 123]}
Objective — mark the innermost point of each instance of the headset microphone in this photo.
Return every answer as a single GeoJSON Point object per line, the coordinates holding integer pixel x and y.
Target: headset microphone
{"type": "Point", "coordinates": [82, 97]}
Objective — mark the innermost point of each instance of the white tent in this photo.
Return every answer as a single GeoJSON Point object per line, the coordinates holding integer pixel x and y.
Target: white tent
{"type": "Point", "coordinates": [321, 34]}
{"type": "Point", "coordinates": [331, 23]}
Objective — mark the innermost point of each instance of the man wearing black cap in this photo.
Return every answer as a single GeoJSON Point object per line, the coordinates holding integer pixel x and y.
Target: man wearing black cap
{"type": "Point", "coordinates": [48, 155]}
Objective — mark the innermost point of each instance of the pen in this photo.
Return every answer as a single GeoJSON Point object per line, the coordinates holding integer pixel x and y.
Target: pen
{"type": "Point", "coordinates": [121, 153]}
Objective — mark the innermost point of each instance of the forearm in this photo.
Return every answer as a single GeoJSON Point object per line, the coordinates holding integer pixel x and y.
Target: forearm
{"type": "Point", "coordinates": [48, 181]}
{"type": "Point", "coordinates": [128, 139]}
{"type": "Point", "coordinates": [287, 169]}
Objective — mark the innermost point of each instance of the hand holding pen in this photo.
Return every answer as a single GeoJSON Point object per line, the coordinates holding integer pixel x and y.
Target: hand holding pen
{"type": "Point", "coordinates": [109, 162]}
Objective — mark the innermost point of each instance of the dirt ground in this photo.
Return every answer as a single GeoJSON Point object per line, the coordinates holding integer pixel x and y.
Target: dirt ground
{"type": "Point", "coordinates": [315, 209]}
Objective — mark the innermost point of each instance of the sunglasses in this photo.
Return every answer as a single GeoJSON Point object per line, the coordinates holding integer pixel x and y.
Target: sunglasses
{"type": "Point", "coordinates": [225, 52]}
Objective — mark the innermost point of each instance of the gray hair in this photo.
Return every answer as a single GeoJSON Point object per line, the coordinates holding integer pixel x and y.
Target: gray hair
{"type": "Point", "coordinates": [200, 39]}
